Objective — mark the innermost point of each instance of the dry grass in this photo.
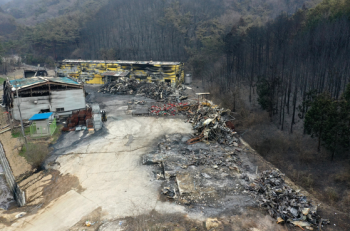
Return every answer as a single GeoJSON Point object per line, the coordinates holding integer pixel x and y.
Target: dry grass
{"type": "Point", "coordinates": [343, 177]}
{"type": "Point", "coordinates": [254, 221]}
{"type": "Point", "coordinates": [332, 194]}
{"type": "Point", "coordinates": [56, 134]}
{"type": "Point", "coordinates": [307, 180]}
{"type": "Point", "coordinates": [35, 153]}
{"type": "Point", "coordinates": [17, 132]}
{"type": "Point", "coordinates": [155, 221]}
{"type": "Point", "coordinates": [248, 221]}
{"type": "Point", "coordinates": [346, 198]}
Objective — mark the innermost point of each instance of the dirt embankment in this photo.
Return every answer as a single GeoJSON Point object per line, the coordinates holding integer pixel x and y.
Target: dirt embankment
{"type": "Point", "coordinates": [19, 165]}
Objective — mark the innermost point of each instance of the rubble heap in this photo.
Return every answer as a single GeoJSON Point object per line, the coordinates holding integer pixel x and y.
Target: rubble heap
{"type": "Point", "coordinates": [159, 91]}
{"type": "Point", "coordinates": [284, 203]}
{"type": "Point", "coordinates": [210, 175]}
{"type": "Point", "coordinates": [199, 174]}
{"type": "Point", "coordinates": [212, 123]}
{"type": "Point", "coordinates": [122, 86]}
{"type": "Point", "coordinates": [162, 92]}
{"type": "Point", "coordinates": [166, 109]}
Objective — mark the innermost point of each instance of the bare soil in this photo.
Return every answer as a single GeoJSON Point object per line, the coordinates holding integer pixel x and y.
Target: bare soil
{"type": "Point", "coordinates": [59, 185]}
{"type": "Point", "coordinates": [253, 220]}
{"type": "Point", "coordinates": [19, 165]}
{"type": "Point", "coordinates": [94, 217]}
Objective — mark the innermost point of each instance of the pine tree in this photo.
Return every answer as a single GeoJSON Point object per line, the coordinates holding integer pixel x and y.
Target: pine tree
{"type": "Point", "coordinates": [317, 118]}
{"type": "Point", "coordinates": [332, 128]}
{"type": "Point", "coordinates": [345, 119]}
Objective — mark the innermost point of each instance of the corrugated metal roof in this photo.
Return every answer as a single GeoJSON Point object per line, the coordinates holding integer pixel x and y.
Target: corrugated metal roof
{"type": "Point", "coordinates": [41, 116]}
{"type": "Point", "coordinates": [121, 62]}
{"type": "Point", "coordinates": [62, 80]}
{"type": "Point", "coordinates": [27, 82]}
{"type": "Point", "coordinates": [116, 73]}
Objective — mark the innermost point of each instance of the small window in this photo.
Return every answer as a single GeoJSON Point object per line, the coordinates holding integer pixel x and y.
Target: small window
{"type": "Point", "coordinates": [59, 109]}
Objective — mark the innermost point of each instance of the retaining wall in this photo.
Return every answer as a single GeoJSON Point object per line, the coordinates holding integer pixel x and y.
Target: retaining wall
{"type": "Point", "coordinates": [18, 194]}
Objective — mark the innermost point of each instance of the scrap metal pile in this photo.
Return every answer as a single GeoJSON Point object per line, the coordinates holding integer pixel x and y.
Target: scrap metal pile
{"type": "Point", "coordinates": [122, 86]}
{"type": "Point", "coordinates": [284, 203]}
{"type": "Point", "coordinates": [78, 120]}
{"type": "Point", "coordinates": [212, 123]}
{"type": "Point", "coordinates": [159, 91]}
{"type": "Point", "coordinates": [166, 109]}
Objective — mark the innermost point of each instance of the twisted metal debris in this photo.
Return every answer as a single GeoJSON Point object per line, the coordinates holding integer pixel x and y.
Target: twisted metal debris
{"type": "Point", "coordinates": [212, 123]}
{"type": "Point", "coordinates": [122, 86]}
{"type": "Point", "coordinates": [166, 109]}
{"type": "Point", "coordinates": [159, 91]}
{"type": "Point", "coordinates": [156, 91]}
{"type": "Point", "coordinates": [284, 203]}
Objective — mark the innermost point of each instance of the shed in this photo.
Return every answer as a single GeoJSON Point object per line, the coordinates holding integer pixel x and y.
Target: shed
{"type": "Point", "coordinates": [42, 124]}
{"type": "Point", "coordinates": [30, 72]}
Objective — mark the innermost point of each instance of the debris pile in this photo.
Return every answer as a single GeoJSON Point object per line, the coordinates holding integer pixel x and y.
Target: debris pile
{"type": "Point", "coordinates": [284, 203]}
{"type": "Point", "coordinates": [212, 123]}
{"type": "Point", "coordinates": [162, 92]}
{"type": "Point", "coordinates": [211, 175]}
{"type": "Point", "coordinates": [122, 86]}
{"type": "Point", "coordinates": [199, 174]}
{"type": "Point", "coordinates": [78, 120]}
{"type": "Point", "coordinates": [166, 109]}
{"type": "Point", "coordinates": [159, 91]}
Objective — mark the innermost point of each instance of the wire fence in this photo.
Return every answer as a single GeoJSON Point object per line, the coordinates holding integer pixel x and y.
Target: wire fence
{"type": "Point", "coordinates": [40, 130]}
{"type": "Point", "coordinates": [18, 194]}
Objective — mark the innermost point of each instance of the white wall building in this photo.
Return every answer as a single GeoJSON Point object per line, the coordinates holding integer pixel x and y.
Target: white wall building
{"type": "Point", "coordinates": [60, 95]}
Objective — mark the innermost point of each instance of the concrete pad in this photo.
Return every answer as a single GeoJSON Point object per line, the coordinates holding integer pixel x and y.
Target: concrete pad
{"type": "Point", "coordinates": [61, 214]}
{"type": "Point", "coordinates": [109, 167]}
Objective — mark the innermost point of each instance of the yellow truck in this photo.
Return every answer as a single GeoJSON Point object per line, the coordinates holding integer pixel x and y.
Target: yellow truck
{"type": "Point", "coordinates": [104, 71]}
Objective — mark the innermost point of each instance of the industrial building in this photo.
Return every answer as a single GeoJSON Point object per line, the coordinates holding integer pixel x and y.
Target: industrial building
{"type": "Point", "coordinates": [42, 94]}
{"type": "Point", "coordinates": [101, 72]}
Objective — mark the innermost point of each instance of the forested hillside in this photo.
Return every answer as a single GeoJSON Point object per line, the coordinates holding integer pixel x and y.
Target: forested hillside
{"type": "Point", "coordinates": [296, 68]}
{"type": "Point", "coordinates": [32, 12]}
{"type": "Point", "coordinates": [152, 29]}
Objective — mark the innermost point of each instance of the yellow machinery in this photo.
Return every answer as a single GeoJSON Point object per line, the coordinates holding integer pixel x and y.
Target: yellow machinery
{"type": "Point", "coordinates": [101, 72]}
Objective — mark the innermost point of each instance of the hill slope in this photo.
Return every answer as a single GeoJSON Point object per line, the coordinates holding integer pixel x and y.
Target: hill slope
{"type": "Point", "coordinates": [32, 12]}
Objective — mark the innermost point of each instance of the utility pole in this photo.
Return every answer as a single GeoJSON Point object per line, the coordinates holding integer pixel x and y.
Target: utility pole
{"type": "Point", "coordinates": [20, 114]}
{"type": "Point", "coordinates": [8, 114]}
